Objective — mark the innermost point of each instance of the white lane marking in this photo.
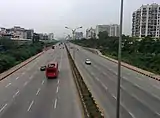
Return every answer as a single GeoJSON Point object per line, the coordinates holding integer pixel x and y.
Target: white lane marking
{"type": "Point", "coordinates": [57, 89]}
{"type": "Point", "coordinates": [55, 103]}
{"type": "Point", "coordinates": [23, 73]}
{"type": "Point", "coordinates": [127, 110]}
{"type": "Point", "coordinates": [157, 113]}
{"type": "Point", "coordinates": [31, 77]}
{"type": "Point", "coordinates": [139, 78]}
{"type": "Point", "coordinates": [115, 73]}
{"type": "Point", "coordinates": [104, 86]}
{"type": "Point", "coordinates": [17, 78]}
{"type": "Point", "coordinates": [58, 81]}
{"type": "Point", "coordinates": [8, 85]}
{"type": "Point", "coordinates": [131, 114]}
{"type": "Point", "coordinates": [25, 83]}
{"type": "Point", "coordinates": [92, 73]}
{"type": "Point", "coordinates": [15, 94]}
{"type": "Point", "coordinates": [143, 102]}
{"type": "Point", "coordinates": [97, 78]}
{"type": "Point", "coordinates": [110, 69]}
{"type": "Point", "coordinates": [60, 62]}
{"type": "Point", "coordinates": [30, 106]}
{"type": "Point", "coordinates": [113, 96]}
{"type": "Point", "coordinates": [125, 78]}
{"type": "Point", "coordinates": [3, 108]}
{"type": "Point", "coordinates": [104, 73]}
{"type": "Point", "coordinates": [38, 91]}
{"type": "Point", "coordinates": [42, 82]}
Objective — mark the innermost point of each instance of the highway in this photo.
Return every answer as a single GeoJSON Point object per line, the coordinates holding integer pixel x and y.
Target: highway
{"type": "Point", "coordinates": [28, 94]}
{"type": "Point", "coordinates": [140, 95]}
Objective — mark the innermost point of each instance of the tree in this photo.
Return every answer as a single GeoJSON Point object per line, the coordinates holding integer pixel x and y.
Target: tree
{"type": "Point", "coordinates": [103, 35]}
{"type": "Point", "coordinates": [146, 45]}
{"type": "Point", "coordinates": [36, 37]}
{"type": "Point", "coordinates": [7, 43]}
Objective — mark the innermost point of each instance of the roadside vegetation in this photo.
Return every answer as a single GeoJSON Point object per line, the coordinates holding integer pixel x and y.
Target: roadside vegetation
{"type": "Point", "coordinates": [144, 53]}
{"type": "Point", "coordinates": [13, 53]}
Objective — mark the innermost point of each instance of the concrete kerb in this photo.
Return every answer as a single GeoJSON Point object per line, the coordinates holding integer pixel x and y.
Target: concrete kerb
{"type": "Point", "coordinates": [22, 64]}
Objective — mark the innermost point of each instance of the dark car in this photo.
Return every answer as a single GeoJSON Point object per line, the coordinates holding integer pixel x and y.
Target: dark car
{"type": "Point", "coordinates": [43, 68]}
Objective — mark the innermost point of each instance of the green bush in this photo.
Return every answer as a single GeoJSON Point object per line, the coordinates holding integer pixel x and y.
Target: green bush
{"type": "Point", "coordinates": [6, 61]}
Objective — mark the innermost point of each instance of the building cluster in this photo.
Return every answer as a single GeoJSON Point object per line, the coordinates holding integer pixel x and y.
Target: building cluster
{"type": "Point", "coordinates": [146, 21]}
{"type": "Point", "coordinates": [45, 36]}
{"type": "Point", "coordinates": [112, 30]}
{"type": "Point", "coordinates": [18, 33]}
{"type": "Point", "coordinates": [90, 33]}
{"type": "Point", "coordinates": [78, 35]}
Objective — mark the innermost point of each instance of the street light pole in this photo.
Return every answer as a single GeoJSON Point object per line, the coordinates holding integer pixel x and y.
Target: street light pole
{"type": "Point", "coordinates": [119, 62]}
{"type": "Point", "coordinates": [73, 37]}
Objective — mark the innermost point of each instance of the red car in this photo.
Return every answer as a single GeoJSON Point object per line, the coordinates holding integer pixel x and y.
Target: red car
{"type": "Point", "coordinates": [52, 70]}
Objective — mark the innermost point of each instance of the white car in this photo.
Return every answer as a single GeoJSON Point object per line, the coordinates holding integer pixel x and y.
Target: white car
{"type": "Point", "coordinates": [88, 62]}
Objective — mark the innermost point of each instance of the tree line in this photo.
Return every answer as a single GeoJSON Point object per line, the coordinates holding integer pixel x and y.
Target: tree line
{"type": "Point", "coordinates": [143, 53]}
{"type": "Point", "coordinates": [13, 53]}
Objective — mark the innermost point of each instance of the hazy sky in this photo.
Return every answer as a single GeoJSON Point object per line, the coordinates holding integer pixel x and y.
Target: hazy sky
{"type": "Point", "coordinates": [54, 15]}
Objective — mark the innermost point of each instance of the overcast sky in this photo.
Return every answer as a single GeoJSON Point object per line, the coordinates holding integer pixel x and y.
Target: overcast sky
{"type": "Point", "coordinates": [53, 15]}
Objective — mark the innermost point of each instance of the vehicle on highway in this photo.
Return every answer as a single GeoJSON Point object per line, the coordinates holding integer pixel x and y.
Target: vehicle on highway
{"type": "Point", "coordinates": [88, 62]}
{"type": "Point", "coordinates": [43, 68]}
{"type": "Point", "coordinates": [52, 70]}
{"type": "Point", "coordinates": [53, 47]}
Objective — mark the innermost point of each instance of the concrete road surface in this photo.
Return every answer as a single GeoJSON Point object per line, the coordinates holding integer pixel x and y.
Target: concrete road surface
{"type": "Point", "coordinates": [140, 95]}
{"type": "Point", "coordinates": [28, 94]}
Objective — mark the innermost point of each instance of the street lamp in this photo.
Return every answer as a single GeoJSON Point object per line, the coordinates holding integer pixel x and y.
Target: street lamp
{"type": "Point", "coordinates": [119, 62]}
{"type": "Point", "coordinates": [73, 33]}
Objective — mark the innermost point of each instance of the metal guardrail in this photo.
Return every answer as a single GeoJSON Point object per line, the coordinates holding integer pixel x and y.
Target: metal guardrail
{"type": "Point", "coordinates": [91, 109]}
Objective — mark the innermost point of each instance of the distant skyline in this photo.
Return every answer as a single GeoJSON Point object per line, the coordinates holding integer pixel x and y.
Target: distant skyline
{"type": "Point", "coordinates": [53, 15]}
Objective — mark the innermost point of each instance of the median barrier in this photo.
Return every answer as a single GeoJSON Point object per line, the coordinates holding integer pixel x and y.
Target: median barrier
{"type": "Point", "coordinates": [90, 107]}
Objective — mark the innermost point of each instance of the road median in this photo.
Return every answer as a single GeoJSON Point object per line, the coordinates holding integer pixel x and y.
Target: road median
{"type": "Point", "coordinates": [90, 108]}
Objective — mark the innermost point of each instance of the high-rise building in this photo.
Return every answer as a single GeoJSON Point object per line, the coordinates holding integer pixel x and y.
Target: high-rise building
{"type": "Point", "coordinates": [113, 29]}
{"type": "Point", "coordinates": [90, 33]}
{"type": "Point", "coordinates": [102, 28]}
{"type": "Point", "coordinates": [146, 21]}
{"type": "Point", "coordinates": [51, 36]}
{"type": "Point", "coordinates": [30, 33]}
{"type": "Point", "coordinates": [78, 35]}
{"type": "Point", "coordinates": [17, 33]}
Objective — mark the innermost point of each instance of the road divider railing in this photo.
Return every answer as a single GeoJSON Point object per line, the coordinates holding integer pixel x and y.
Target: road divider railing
{"type": "Point", "coordinates": [90, 107]}
{"type": "Point", "coordinates": [139, 70]}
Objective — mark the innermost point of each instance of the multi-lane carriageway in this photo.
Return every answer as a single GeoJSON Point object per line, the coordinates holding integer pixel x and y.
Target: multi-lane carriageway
{"type": "Point", "coordinates": [28, 94]}
{"type": "Point", "coordinates": [140, 95]}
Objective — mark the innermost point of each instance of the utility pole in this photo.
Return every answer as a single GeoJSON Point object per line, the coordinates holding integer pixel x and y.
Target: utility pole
{"type": "Point", "coordinates": [119, 62]}
{"type": "Point", "coordinates": [73, 37]}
